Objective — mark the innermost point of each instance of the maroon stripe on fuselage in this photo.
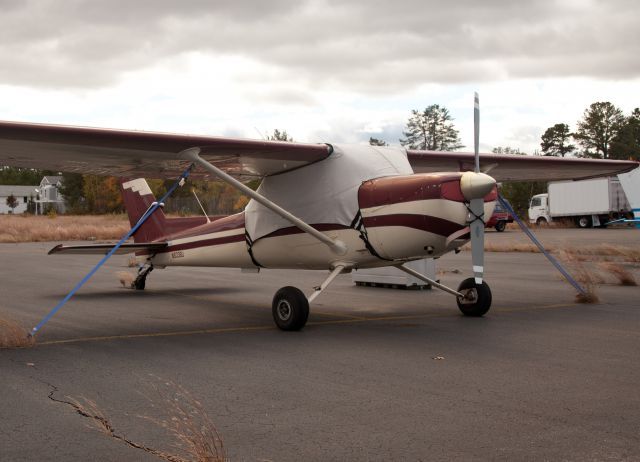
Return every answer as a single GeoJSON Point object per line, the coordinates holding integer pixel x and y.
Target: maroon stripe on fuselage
{"type": "Point", "coordinates": [223, 224]}
{"type": "Point", "coordinates": [294, 230]}
{"type": "Point", "coordinates": [197, 244]}
{"type": "Point", "coordinates": [427, 223]}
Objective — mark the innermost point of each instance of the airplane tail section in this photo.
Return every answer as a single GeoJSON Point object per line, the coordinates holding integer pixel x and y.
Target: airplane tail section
{"type": "Point", "coordinates": [137, 198]}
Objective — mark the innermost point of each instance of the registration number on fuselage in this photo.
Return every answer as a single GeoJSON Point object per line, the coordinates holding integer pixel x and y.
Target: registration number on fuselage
{"type": "Point", "coordinates": [177, 254]}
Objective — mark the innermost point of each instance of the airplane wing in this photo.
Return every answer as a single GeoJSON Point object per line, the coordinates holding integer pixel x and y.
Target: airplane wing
{"type": "Point", "coordinates": [145, 154]}
{"type": "Point", "coordinates": [508, 167]}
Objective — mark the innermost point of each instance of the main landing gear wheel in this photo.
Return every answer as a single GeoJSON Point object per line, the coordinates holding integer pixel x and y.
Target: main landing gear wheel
{"type": "Point", "coordinates": [477, 300]}
{"type": "Point", "coordinates": [290, 308]}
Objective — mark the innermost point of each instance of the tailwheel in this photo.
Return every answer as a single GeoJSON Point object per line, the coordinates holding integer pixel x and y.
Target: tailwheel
{"type": "Point", "coordinates": [141, 280]}
{"type": "Point", "coordinates": [290, 308]}
{"type": "Point", "coordinates": [477, 298]}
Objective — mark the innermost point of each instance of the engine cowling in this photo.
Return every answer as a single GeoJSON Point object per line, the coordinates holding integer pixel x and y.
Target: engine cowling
{"type": "Point", "coordinates": [412, 216]}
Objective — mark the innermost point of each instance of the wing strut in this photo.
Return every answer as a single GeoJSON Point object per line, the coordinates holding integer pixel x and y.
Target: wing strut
{"type": "Point", "coordinates": [336, 246]}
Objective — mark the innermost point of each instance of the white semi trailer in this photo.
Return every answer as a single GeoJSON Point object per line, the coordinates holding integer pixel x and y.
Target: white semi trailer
{"type": "Point", "coordinates": [588, 202]}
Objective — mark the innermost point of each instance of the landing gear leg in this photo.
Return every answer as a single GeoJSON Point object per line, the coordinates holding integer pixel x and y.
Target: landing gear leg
{"type": "Point", "coordinates": [290, 307]}
{"type": "Point", "coordinates": [141, 279]}
{"type": "Point", "coordinates": [473, 299]}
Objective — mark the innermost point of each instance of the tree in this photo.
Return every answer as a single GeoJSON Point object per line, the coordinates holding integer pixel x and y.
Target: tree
{"type": "Point", "coordinates": [519, 193]}
{"type": "Point", "coordinates": [600, 124]}
{"type": "Point", "coordinates": [555, 141]}
{"type": "Point", "coordinates": [12, 202]}
{"type": "Point", "coordinates": [279, 136]}
{"type": "Point", "coordinates": [21, 176]}
{"type": "Point", "coordinates": [73, 192]}
{"type": "Point", "coordinates": [376, 142]}
{"type": "Point", "coordinates": [431, 129]}
{"type": "Point", "coordinates": [102, 194]}
{"type": "Point", "coordinates": [626, 144]}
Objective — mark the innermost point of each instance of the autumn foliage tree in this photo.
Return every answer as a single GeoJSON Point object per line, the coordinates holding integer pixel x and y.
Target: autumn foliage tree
{"type": "Point", "coordinates": [102, 194]}
{"type": "Point", "coordinates": [12, 202]}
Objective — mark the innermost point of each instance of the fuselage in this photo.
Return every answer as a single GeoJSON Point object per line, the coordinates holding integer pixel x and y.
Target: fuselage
{"type": "Point", "coordinates": [399, 218]}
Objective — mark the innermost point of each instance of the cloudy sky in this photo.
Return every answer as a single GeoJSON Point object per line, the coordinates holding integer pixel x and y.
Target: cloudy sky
{"type": "Point", "coordinates": [324, 70]}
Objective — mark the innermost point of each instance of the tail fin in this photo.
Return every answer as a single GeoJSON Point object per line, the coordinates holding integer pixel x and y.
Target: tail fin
{"type": "Point", "coordinates": [137, 198]}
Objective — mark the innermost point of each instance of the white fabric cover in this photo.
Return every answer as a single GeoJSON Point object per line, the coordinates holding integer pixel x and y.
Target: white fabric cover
{"type": "Point", "coordinates": [326, 191]}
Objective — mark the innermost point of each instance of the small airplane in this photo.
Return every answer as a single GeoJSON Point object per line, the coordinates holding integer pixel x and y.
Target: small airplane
{"type": "Point", "coordinates": [319, 206]}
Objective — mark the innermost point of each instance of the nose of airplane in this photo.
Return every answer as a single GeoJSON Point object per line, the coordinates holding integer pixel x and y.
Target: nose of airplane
{"type": "Point", "coordinates": [476, 185]}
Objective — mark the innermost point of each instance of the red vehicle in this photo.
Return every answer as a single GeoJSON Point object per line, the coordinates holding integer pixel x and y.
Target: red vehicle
{"type": "Point", "coordinates": [499, 219]}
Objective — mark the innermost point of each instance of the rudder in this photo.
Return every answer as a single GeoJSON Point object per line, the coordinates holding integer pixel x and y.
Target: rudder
{"type": "Point", "coordinates": [137, 198]}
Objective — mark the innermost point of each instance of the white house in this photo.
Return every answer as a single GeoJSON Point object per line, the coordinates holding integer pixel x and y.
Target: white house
{"type": "Point", "coordinates": [49, 196]}
{"type": "Point", "coordinates": [23, 195]}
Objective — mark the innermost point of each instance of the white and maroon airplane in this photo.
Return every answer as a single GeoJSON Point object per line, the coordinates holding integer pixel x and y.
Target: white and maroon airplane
{"type": "Point", "coordinates": [320, 206]}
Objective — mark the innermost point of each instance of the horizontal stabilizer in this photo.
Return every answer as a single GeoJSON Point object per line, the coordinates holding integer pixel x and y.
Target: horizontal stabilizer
{"type": "Point", "coordinates": [103, 249]}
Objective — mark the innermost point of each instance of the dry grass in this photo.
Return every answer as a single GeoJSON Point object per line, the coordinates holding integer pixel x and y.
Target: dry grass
{"type": "Point", "coordinates": [13, 335]}
{"type": "Point", "coordinates": [618, 252]}
{"type": "Point", "coordinates": [185, 419]}
{"type": "Point", "coordinates": [624, 276]}
{"type": "Point", "coordinates": [193, 433]}
{"type": "Point", "coordinates": [132, 261]}
{"type": "Point", "coordinates": [582, 273]}
{"type": "Point", "coordinates": [28, 228]}
{"type": "Point", "coordinates": [125, 278]}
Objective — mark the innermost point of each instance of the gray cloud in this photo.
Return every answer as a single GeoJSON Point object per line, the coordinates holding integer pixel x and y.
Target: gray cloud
{"type": "Point", "coordinates": [369, 47]}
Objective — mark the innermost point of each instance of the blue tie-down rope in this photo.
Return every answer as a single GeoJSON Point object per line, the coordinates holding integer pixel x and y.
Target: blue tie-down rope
{"type": "Point", "coordinates": [550, 257]}
{"type": "Point", "coordinates": [142, 219]}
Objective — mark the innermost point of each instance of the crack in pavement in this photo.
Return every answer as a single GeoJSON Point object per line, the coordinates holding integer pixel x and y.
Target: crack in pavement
{"type": "Point", "coordinates": [106, 427]}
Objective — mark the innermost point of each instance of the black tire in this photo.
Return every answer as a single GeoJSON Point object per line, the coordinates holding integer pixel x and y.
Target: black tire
{"type": "Point", "coordinates": [500, 226]}
{"type": "Point", "coordinates": [482, 301]}
{"type": "Point", "coordinates": [584, 222]}
{"type": "Point", "coordinates": [541, 221]}
{"type": "Point", "coordinates": [139, 284]}
{"type": "Point", "coordinates": [290, 308]}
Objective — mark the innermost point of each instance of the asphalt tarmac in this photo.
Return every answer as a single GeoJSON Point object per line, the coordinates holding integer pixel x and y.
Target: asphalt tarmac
{"type": "Point", "coordinates": [377, 374]}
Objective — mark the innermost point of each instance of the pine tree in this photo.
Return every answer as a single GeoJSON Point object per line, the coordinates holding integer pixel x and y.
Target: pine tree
{"type": "Point", "coordinates": [555, 141]}
{"type": "Point", "coordinates": [599, 126]}
{"type": "Point", "coordinates": [431, 129]}
{"type": "Point", "coordinates": [626, 144]}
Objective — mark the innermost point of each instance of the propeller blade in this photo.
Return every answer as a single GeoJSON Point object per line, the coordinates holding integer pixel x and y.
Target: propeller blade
{"type": "Point", "coordinates": [476, 130]}
{"type": "Point", "coordinates": [477, 239]}
{"type": "Point", "coordinates": [474, 188]}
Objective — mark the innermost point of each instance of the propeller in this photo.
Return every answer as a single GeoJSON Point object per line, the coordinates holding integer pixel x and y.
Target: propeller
{"type": "Point", "coordinates": [475, 186]}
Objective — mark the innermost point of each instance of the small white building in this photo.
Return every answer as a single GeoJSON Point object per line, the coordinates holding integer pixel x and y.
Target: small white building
{"type": "Point", "coordinates": [23, 195]}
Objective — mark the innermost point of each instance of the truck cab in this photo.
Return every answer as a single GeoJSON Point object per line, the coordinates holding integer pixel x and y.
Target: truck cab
{"type": "Point", "coordinates": [539, 209]}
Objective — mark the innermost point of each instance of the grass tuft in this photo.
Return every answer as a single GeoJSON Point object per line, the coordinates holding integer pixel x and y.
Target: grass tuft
{"type": "Point", "coordinates": [582, 273]}
{"type": "Point", "coordinates": [13, 335]}
{"type": "Point", "coordinates": [624, 276]}
{"type": "Point", "coordinates": [194, 435]}
{"type": "Point", "coordinates": [186, 420]}
{"type": "Point", "coordinates": [125, 278]}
